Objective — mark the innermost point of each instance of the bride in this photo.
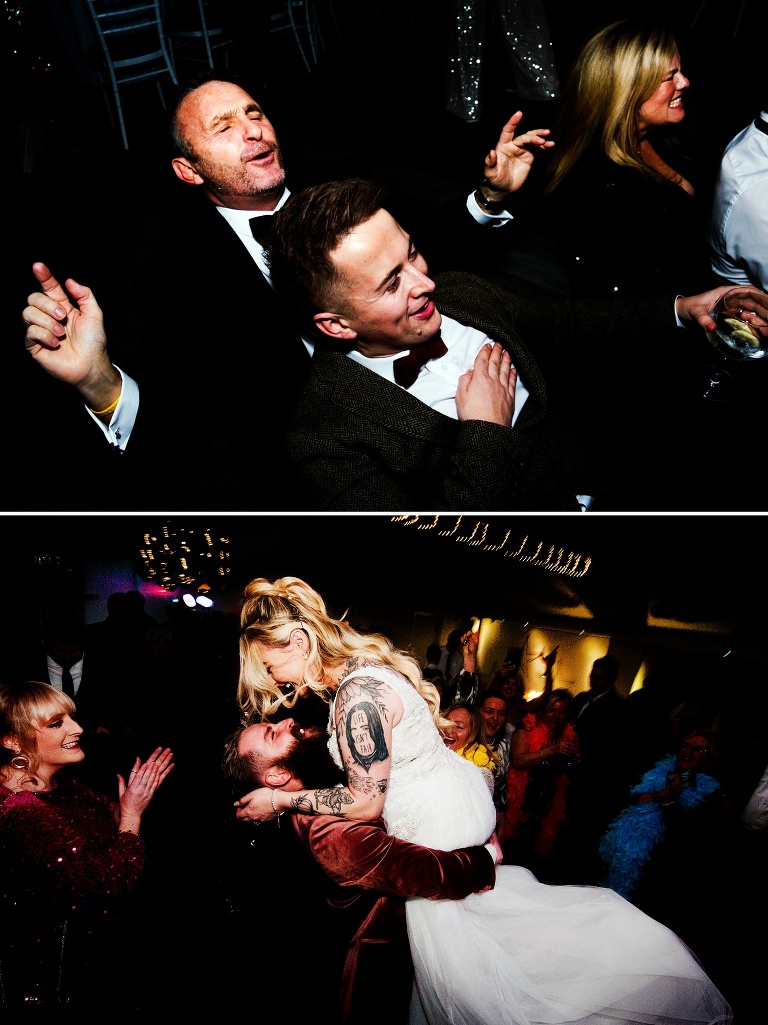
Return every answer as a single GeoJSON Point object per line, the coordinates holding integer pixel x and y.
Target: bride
{"type": "Point", "coordinates": [519, 954]}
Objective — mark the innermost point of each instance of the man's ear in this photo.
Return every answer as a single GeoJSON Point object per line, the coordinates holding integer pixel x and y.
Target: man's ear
{"type": "Point", "coordinates": [185, 171]}
{"type": "Point", "coordinates": [277, 778]}
{"type": "Point", "coordinates": [334, 326]}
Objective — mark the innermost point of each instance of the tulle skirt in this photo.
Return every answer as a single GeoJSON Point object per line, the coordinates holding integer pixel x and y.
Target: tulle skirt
{"type": "Point", "coordinates": [527, 953]}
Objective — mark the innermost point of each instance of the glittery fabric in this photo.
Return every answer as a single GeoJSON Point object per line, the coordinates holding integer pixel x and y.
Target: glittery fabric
{"type": "Point", "coordinates": [65, 870]}
{"type": "Point", "coordinates": [526, 41]}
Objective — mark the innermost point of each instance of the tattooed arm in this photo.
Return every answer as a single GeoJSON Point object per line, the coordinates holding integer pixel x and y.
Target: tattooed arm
{"type": "Point", "coordinates": [366, 712]}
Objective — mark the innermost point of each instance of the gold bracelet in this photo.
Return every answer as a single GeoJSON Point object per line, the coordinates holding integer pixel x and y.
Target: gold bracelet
{"type": "Point", "coordinates": [110, 408]}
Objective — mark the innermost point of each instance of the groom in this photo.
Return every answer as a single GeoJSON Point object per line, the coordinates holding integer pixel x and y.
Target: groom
{"type": "Point", "coordinates": [368, 873]}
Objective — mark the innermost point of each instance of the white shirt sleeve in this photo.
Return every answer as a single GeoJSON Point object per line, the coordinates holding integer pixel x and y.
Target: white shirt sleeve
{"type": "Point", "coordinates": [743, 258]}
{"type": "Point", "coordinates": [118, 430]}
{"type": "Point", "coordinates": [480, 215]}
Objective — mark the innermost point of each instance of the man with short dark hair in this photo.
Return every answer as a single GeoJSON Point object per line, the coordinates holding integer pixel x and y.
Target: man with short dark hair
{"type": "Point", "coordinates": [370, 869]}
{"type": "Point", "coordinates": [438, 394]}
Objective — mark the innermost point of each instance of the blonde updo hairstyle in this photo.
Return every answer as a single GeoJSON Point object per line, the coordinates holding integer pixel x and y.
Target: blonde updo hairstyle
{"type": "Point", "coordinates": [615, 72]}
{"type": "Point", "coordinates": [24, 708]}
{"type": "Point", "coordinates": [271, 611]}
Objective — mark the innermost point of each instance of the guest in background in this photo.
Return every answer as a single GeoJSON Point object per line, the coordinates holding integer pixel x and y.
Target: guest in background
{"type": "Point", "coordinates": [600, 780]}
{"type": "Point", "coordinates": [459, 665]}
{"type": "Point", "coordinates": [663, 802]}
{"type": "Point", "coordinates": [542, 750]}
{"type": "Point", "coordinates": [436, 678]}
{"type": "Point", "coordinates": [665, 848]}
{"type": "Point", "coordinates": [91, 676]}
{"type": "Point", "coordinates": [494, 708]}
{"type": "Point", "coordinates": [506, 680]}
{"type": "Point", "coordinates": [619, 180]}
{"type": "Point", "coordinates": [466, 737]}
{"type": "Point", "coordinates": [69, 861]}
{"type": "Point", "coordinates": [434, 651]}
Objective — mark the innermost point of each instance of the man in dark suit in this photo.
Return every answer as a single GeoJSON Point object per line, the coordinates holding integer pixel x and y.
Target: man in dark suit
{"type": "Point", "coordinates": [368, 873]}
{"type": "Point", "coordinates": [200, 339]}
{"type": "Point", "coordinates": [91, 677]}
{"type": "Point", "coordinates": [367, 437]}
{"type": "Point", "coordinates": [602, 776]}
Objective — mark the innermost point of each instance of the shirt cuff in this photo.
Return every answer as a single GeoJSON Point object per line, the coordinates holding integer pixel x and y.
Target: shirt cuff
{"type": "Point", "coordinates": [674, 306]}
{"type": "Point", "coordinates": [118, 430]}
{"type": "Point", "coordinates": [491, 850]}
{"type": "Point", "coordinates": [482, 217]}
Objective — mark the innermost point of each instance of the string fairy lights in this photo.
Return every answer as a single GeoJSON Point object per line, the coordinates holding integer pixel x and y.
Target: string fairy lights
{"type": "Point", "coordinates": [481, 535]}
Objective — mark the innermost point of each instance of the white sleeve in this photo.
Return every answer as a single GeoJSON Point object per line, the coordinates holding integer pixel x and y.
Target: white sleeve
{"type": "Point", "coordinates": [745, 239]}
{"type": "Point", "coordinates": [118, 430]}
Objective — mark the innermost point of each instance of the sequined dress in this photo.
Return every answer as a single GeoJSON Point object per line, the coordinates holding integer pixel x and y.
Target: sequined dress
{"type": "Point", "coordinates": [65, 870]}
{"type": "Point", "coordinates": [523, 952]}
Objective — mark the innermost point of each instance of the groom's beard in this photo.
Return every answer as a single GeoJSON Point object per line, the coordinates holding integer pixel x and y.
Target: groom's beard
{"type": "Point", "coordinates": [309, 759]}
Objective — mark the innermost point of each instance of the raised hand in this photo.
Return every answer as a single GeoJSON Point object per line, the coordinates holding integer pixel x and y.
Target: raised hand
{"type": "Point", "coordinates": [508, 163]}
{"type": "Point", "coordinates": [65, 336]}
{"type": "Point", "coordinates": [143, 781]}
{"type": "Point", "coordinates": [487, 391]}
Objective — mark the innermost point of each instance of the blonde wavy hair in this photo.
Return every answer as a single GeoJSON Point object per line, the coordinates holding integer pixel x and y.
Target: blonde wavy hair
{"type": "Point", "coordinates": [24, 708]}
{"type": "Point", "coordinates": [615, 72]}
{"type": "Point", "coordinates": [271, 610]}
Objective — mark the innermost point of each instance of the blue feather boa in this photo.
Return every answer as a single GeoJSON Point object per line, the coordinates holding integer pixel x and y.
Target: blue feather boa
{"type": "Point", "coordinates": [634, 832]}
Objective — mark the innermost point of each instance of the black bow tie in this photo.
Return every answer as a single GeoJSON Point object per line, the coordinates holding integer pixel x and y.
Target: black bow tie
{"type": "Point", "coordinates": [407, 367]}
{"type": "Point", "coordinates": [260, 226]}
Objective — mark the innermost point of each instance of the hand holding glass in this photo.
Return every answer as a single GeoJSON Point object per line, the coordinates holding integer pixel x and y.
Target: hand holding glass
{"type": "Point", "coordinates": [741, 333]}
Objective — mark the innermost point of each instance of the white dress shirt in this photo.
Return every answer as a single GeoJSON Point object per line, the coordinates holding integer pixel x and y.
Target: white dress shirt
{"type": "Point", "coordinates": [438, 380]}
{"type": "Point", "coordinates": [738, 231]}
{"type": "Point", "coordinates": [54, 673]}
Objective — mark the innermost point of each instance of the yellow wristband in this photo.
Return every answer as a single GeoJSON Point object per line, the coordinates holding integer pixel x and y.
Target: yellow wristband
{"type": "Point", "coordinates": [110, 408]}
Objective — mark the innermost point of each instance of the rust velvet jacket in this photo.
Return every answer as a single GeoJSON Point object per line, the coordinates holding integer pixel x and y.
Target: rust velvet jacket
{"type": "Point", "coordinates": [373, 873]}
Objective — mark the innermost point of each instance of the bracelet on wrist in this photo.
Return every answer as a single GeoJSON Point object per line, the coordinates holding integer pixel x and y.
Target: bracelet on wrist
{"type": "Point", "coordinates": [274, 808]}
{"type": "Point", "coordinates": [492, 205]}
{"type": "Point", "coordinates": [110, 408]}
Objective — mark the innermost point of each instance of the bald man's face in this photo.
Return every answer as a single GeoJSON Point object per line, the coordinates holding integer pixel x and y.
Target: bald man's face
{"type": "Point", "coordinates": [236, 153]}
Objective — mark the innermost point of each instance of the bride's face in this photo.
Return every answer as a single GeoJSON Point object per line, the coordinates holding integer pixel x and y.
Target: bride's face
{"type": "Point", "coordinates": [283, 664]}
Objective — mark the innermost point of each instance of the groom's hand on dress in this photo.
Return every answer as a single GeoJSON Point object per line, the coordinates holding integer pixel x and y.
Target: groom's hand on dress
{"type": "Point", "coordinates": [494, 842]}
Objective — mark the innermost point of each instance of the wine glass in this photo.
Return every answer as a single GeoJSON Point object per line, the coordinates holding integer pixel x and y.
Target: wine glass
{"type": "Point", "coordinates": [736, 338]}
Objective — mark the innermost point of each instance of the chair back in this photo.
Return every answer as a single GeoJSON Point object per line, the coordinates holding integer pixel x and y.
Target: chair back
{"type": "Point", "coordinates": [194, 33]}
{"type": "Point", "coordinates": [132, 38]}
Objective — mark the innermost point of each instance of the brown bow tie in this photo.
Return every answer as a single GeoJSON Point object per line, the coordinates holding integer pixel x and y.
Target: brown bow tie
{"type": "Point", "coordinates": [407, 367]}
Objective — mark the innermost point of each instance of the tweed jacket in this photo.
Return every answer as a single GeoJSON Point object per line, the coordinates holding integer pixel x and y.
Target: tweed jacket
{"type": "Point", "coordinates": [363, 443]}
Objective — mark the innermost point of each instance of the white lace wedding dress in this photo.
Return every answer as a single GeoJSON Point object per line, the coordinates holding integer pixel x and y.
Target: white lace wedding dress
{"type": "Point", "coordinates": [523, 952]}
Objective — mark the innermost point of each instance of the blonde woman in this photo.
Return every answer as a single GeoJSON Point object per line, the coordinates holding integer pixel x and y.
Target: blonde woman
{"type": "Point", "coordinates": [520, 953]}
{"type": "Point", "coordinates": [466, 736]}
{"type": "Point", "coordinates": [69, 860]}
{"type": "Point", "coordinates": [626, 203]}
